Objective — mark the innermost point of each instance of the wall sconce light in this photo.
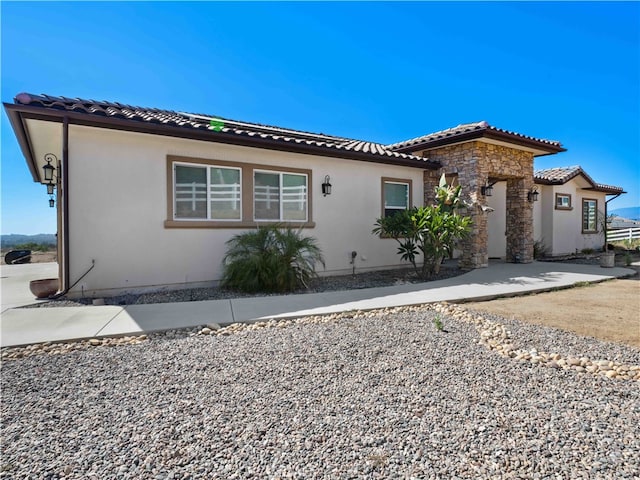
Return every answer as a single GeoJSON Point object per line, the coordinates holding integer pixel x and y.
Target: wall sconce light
{"type": "Point", "coordinates": [487, 189]}
{"type": "Point", "coordinates": [49, 171]}
{"type": "Point", "coordinates": [532, 195]}
{"type": "Point", "coordinates": [48, 168]}
{"type": "Point", "coordinates": [326, 186]}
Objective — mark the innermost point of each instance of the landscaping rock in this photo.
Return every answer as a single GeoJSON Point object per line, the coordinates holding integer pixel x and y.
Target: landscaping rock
{"type": "Point", "coordinates": [357, 395]}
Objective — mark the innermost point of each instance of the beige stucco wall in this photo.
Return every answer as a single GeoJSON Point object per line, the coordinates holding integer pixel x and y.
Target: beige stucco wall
{"type": "Point", "coordinates": [118, 206]}
{"type": "Point", "coordinates": [497, 221]}
{"type": "Point", "coordinates": [561, 230]}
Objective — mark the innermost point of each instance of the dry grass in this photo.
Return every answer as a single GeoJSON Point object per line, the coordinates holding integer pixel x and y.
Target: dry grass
{"type": "Point", "coordinates": [608, 310]}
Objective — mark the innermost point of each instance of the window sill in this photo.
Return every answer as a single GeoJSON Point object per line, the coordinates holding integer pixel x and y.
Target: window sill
{"type": "Point", "coordinates": [230, 225]}
{"type": "Point", "coordinates": [590, 232]}
{"type": "Point", "coordinates": [564, 208]}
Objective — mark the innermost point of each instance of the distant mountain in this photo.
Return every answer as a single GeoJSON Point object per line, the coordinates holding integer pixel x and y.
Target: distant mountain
{"type": "Point", "coordinates": [9, 241]}
{"type": "Point", "coordinates": [631, 213]}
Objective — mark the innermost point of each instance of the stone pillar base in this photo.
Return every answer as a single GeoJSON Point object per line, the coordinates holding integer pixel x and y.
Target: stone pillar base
{"type": "Point", "coordinates": [478, 260]}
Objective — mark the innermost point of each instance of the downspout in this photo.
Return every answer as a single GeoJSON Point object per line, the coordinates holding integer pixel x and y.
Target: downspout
{"type": "Point", "coordinates": [65, 210]}
{"type": "Point", "coordinates": [65, 205]}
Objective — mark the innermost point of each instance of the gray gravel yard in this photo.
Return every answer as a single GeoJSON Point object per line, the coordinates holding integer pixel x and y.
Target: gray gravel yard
{"type": "Point", "coordinates": [382, 396]}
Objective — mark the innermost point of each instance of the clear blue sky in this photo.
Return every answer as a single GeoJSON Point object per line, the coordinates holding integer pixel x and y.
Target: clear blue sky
{"type": "Point", "coordinates": [383, 72]}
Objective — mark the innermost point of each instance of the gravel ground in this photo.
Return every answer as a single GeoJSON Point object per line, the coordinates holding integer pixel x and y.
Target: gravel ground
{"type": "Point", "coordinates": [378, 395]}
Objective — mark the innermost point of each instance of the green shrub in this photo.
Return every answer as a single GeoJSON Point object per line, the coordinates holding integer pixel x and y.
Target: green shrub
{"type": "Point", "coordinates": [540, 250]}
{"type": "Point", "coordinates": [35, 247]}
{"type": "Point", "coordinates": [438, 323]}
{"type": "Point", "coordinates": [270, 259]}
{"type": "Point", "coordinates": [430, 231]}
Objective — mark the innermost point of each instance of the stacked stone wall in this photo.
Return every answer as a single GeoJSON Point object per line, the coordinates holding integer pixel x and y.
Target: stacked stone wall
{"type": "Point", "coordinates": [475, 164]}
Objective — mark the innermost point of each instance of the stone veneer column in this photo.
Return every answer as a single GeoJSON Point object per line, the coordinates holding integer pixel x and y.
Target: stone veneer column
{"type": "Point", "coordinates": [431, 181]}
{"type": "Point", "coordinates": [464, 161]}
{"type": "Point", "coordinates": [474, 163]}
{"type": "Point", "coordinates": [519, 221]}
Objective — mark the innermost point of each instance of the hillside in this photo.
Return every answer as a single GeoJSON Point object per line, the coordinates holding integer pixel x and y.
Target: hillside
{"type": "Point", "coordinates": [631, 213]}
{"type": "Point", "coordinates": [13, 239]}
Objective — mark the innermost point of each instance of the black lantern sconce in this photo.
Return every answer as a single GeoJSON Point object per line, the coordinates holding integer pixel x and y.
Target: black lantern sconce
{"type": "Point", "coordinates": [487, 189]}
{"type": "Point", "coordinates": [532, 195]}
{"type": "Point", "coordinates": [49, 171]}
{"type": "Point", "coordinates": [326, 186]}
{"type": "Point", "coordinates": [48, 168]}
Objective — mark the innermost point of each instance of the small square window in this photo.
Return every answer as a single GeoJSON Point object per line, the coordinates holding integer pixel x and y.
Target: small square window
{"type": "Point", "coordinates": [563, 201]}
{"type": "Point", "coordinates": [395, 197]}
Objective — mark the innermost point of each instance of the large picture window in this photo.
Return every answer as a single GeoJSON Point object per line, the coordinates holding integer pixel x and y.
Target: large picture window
{"type": "Point", "coordinates": [395, 195]}
{"type": "Point", "coordinates": [210, 193]}
{"type": "Point", "coordinates": [279, 196]}
{"type": "Point", "coordinates": [589, 215]}
{"type": "Point", "coordinates": [225, 194]}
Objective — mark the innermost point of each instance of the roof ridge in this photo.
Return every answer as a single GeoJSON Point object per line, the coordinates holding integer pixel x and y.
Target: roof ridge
{"type": "Point", "coordinates": [465, 128]}
{"type": "Point", "coordinates": [265, 126]}
{"type": "Point", "coordinates": [172, 118]}
{"type": "Point", "coordinates": [561, 175]}
{"type": "Point", "coordinates": [208, 117]}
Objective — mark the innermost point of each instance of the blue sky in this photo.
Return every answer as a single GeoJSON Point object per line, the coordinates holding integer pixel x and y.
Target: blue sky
{"type": "Point", "coordinates": [379, 71]}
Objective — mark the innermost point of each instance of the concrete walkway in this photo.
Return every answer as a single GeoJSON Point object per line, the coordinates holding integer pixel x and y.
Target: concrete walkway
{"type": "Point", "coordinates": [15, 282]}
{"type": "Point", "coordinates": [26, 326]}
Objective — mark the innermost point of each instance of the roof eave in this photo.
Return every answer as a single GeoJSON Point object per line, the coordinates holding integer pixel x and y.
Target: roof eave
{"type": "Point", "coordinates": [547, 148]}
{"type": "Point", "coordinates": [594, 188]}
{"type": "Point", "coordinates": [15, 119]}
{"type": "Point", "coordinates": [608, 191]}
{"type": "Point", "coordinates": [56, 115]}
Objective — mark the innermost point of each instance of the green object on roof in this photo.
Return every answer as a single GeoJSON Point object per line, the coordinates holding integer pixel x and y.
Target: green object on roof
{"type": "Point", "coordinates": [216, 125]}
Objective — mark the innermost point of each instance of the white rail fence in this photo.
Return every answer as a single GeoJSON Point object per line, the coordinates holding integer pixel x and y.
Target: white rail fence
{"type": "Point", "coordinates": [623, 234]}
{"type": "Point", "coordinates": [197, 192]}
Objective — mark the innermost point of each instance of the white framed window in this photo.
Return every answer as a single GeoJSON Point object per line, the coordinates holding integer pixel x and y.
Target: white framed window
{"type": "Point", "coordinates": [280, 196]}
{"type": "Point", "coordinates": [589, 215]}
{"type": "Point", "coordinates": [395, 196]}
{"type": "Point", "coordinates": [202, 192]}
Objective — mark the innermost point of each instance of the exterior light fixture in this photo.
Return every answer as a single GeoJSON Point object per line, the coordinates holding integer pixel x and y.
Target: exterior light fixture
{"type": "Point", "coordinates": [487, 189]}
{"type": "Point", "coordinates": [48, 168]}
{"type": "Point", "coordinates": [532, 195]}
{"type": "Point", "coordinates": [326, 186]}
{"type": "Point", "coordinates": [52, 202]}
{"type": "Point", "coordinates": [50, 187]}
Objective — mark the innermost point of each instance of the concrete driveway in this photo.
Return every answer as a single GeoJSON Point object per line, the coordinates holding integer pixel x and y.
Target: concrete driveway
{"type": "Point", "coordinates": [35, 325]}
{"type": "Point", "coordinates": [14, 288]}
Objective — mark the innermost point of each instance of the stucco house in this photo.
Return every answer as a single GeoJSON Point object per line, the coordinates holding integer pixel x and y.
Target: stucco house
{"type": "Point", "coordinates": [570, 214]}
{"type": "Point", "coordinates": [147, 198]}
{"type": "Point", "coordinates": [567, 212]}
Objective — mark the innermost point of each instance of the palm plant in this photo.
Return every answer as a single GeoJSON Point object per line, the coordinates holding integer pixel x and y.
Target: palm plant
{"type": "Point", "coordinates": [270, 259]}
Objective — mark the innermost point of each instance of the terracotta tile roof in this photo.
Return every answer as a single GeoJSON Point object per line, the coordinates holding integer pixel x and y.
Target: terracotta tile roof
{"type": "Point", "coordinates": [561, 175]}
{"type": "Point", "coordinates": [558, 175]}
{"type": "Point", "coordinates": [225, 128]}
{"type": "Point", "coordinates": [473, 130]}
